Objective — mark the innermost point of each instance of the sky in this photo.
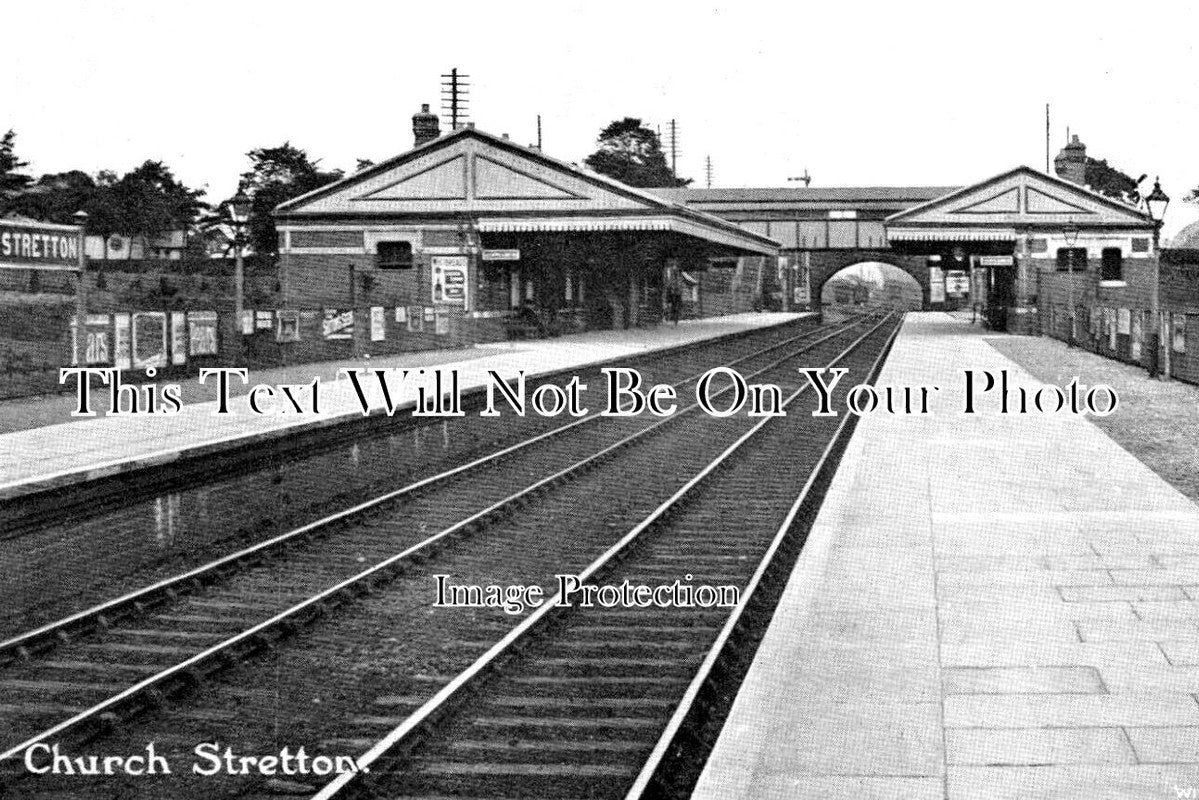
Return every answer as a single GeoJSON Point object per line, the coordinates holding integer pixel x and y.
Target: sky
{"type": "Point", "coordinates": [856, 93]}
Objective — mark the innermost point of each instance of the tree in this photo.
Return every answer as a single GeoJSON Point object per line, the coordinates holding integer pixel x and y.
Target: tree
{"type": "Point", "coordinates": [12, 182]}
{"type": "Point", "coordinates": [277, 174]}
{"type": "Point", "coordinates": [1110, 181]}
{"type": "Point", "coordinates": [152, 201]}
{"type": "Point", "coordinates": [56, 197]}
{"type": "Point", "coordinates": [632, 154]}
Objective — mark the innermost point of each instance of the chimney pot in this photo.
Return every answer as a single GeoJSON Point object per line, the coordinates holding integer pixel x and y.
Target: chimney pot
{"type": "Point", "coordinates": [425, 126]}
{"type": "Point", "coordinates": [1071, 163]}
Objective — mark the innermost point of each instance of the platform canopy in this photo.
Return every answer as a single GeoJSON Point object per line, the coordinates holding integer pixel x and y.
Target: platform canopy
{"type": "Point", "coordinates": [502, 187]}
{"type": "Point", "coordinates": [1002, 207]}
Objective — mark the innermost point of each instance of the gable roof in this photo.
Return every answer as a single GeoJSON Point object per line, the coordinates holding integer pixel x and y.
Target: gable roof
{"type": "Point", "coordinates": [1022, 197]}
{"type": "Point", "coordinates": [508, 187]}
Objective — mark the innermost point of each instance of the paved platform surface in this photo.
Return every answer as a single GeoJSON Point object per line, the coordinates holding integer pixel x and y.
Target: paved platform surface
{"type": "Point", "coordinates": [83, 449]}
{"type": "Point", "coordinates": [988, 607]}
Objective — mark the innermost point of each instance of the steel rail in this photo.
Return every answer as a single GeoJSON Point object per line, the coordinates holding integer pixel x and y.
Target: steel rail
{"type": "Point", "coordinates": [717, 650]}
{"type": "Point", "coordinates": [19, 645]}
{"type": "Point", "coordinates": [257, 635]}
{"type": "Point", "coordinates": [437, 705]}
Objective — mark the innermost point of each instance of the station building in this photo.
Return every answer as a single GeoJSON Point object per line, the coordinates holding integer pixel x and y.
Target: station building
{"type": "Point", "coordinates": [475, 225]}
{"type": "Point", "coordinates": [1015, 245]}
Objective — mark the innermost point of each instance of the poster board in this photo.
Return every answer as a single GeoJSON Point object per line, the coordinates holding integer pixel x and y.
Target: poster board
{"type": "Point", "coordinates": [378, 326]}
{"type": "Point", "coordinates": [178, 337]}
{"type": "Point", "coordinates": [149, 339]}
{"type": "Point", "coordinates": [202, 336]}
{"type": "Point", "coordinates": [337, 325]}
{"type": "Point", "coordinates": [449, 280]}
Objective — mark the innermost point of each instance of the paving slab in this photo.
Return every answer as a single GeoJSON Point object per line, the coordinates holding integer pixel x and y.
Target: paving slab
{"type": "Point", "coordinates": [988, 606]}
{"type": "Point", "coordinates": [55, 455]}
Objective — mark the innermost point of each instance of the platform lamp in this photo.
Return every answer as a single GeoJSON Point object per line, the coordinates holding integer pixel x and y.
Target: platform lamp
{"type": "Point", "coordinates": [1156, 203]}
{"type": "Point", "coordinates": [1070, 234]}
{"type": "Point", "coordinates": [80, 218]}
{"type": "Point", "coordinates": [239, 211]}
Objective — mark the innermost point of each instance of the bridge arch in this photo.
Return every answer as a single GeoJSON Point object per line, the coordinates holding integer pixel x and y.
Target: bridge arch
{"type": "Point", "coordinates": [824, 264]}
{"type": "Point", "coordinates": [875, 282]}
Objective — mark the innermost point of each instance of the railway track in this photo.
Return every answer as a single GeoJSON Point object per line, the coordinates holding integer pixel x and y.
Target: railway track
{"type": "Point", "coordinates": [156, 528]}
{"type": "Point", "coordinates": [135, 652]}
{"type": "Point", "coordinates": [597, 702]}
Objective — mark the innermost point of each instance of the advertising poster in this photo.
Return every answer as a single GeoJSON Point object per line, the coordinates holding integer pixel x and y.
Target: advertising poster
{"type": "Point", "coordinates": [178, 337]}
{"type": "Point", "coordinates": [449, 280]}
{"type": "Point", "coordinates": [338, 325]}
{"type": "Point", "coordinates": [287, 326]}
{"type": "Point", "coordinates": [1137, 336]}
{"type": "Point", "coordinates": [957, 282]}
{"type": "Point", "coordinates": [247, 322]}
{"type": "Point", "coordinates": [263, 320]}
{"type": "Point", "coordinates": [1123, 321]}
{"type": "Point", "coordinates": [401, 314]}
{"type": "Point", "coordinates": [378, 326]}
{"type": "Point", "coordinates": [936, 285]}
{"type": "Point", "coordinates": [122, 348]}
{"type": "Point", "coordinates": [803, 288]}
{"type": "Point", "coordinates": [416, 318]}
{"type": "Point", "coordinates": [149, 339]}
{"type": "Point", "coordinates": [441, 323]}
{"type": "Point", "coordinates": [202, 333]}
{"type": "Point", "coordinates": [98, 329]}
{"type": "Point", "coordinates": [1180, 333]}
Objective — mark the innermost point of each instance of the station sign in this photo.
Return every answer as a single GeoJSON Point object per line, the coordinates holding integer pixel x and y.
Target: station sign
{"type": "Point", "coordinates": [41, 246]}
{"type": "Point", "coordinates": [995, 261]}
{"type": "Point", "coordinates": [501, 255]}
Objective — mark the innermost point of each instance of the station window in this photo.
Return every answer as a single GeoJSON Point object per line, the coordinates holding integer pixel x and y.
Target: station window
{"type": "Point", "coordinates": [1072, 259]}
{"type": "Point", "coordinates": [394, 255]}
{"type": "Point", "coordinates": [1113, 265]}
{"type": "Point", "coordinates": [1140, 244]}
{"type": "Point", "coordinates": [1038, 245]}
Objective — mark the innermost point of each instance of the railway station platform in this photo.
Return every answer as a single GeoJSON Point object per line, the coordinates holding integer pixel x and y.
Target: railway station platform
{"type": "Point", "coordinates": [987, 607]}
{"type": "Point", "coordinates": [43, 447]}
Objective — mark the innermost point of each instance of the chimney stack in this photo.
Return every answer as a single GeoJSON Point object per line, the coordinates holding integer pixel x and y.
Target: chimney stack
{"type": "Point", "coordinates": [425, 126]}
{"type": "Point", "coordinates": [1071, 162]}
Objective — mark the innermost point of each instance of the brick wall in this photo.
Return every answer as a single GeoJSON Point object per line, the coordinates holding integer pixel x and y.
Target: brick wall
{"type": "Point", "coordinates": [1099, 308]}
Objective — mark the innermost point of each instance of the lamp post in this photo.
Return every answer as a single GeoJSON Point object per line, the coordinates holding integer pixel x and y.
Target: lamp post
{"type": "Point", "coordinates": [1156, 203]}
{"type": "Point", "coordinates": [239, 211]}
{"type": "Point", "coordinates": [81, 290]}
{"type": "Point", "coordinates": [1070, 233]}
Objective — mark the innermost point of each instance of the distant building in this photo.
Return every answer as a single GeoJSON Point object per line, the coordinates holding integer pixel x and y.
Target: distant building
{"type": "Point", "coordinates": [168, 246]}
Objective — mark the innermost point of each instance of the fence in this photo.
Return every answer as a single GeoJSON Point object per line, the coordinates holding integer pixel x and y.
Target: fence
{"type": "Point", "coordinates": [1122, 334]}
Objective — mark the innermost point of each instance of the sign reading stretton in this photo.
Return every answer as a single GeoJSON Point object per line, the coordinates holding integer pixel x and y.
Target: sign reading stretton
{"type": "Point", "coordinates": [41, 246]}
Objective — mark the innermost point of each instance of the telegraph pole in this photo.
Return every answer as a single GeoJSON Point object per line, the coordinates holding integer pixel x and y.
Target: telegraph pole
{"type": "Point", "coordinates": [539, 132]}
{"type": "Point", "coordinates": [707, 170]}
{"type": "Point", "coordinates": [454, 101]}
{"type": "Point", "coordinates": [674, 149]}
{"type": "Point", "coordinates": [1046, 138]}
{"type": "Point", "coordinates": [806, 178]}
